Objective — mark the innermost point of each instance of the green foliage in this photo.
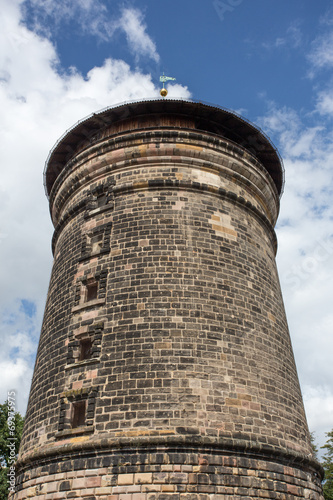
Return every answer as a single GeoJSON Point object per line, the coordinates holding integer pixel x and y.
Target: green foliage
{"type": "Point", "coordinates": [327, 463]}
{"type": "Point", "coordinates": [313, 445]}
{"type": "Point", "coordinates": [11, 426]}
{"type": "Point", "coordinates": [3, 483]}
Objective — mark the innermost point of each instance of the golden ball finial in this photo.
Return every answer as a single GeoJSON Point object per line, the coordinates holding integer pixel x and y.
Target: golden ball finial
{"type": "Point", "coordinates": [163, 92]}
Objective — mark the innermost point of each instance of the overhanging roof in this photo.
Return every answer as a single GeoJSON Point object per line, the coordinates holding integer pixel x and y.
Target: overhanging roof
{"type": "Point", "coordinates": [209, 118]}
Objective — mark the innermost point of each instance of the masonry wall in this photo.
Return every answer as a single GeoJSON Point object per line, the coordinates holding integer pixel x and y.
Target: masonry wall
{"type": "Point", "coordinates": [164, 266]}
{"type": "Point", "coordinates": [171, 474]}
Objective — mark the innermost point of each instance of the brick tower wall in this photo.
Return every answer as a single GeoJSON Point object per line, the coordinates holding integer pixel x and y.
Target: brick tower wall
{"type": "Point", "coordinates": [165, 369]}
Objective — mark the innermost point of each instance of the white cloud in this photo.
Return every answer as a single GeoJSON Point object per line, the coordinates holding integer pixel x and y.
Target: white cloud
{"type": "Point", "coordinates": [305, 235]}
{"type": "Point", "coordinates": [305, 255]}
{"type": "Point", "coordinates": [39, 101]}
{"type": "Point", "coordinates": [296, 139]}
{"type": "Point", "coordinates": [321, 55]}
{"type": "Point", "coordinates": [139, 42]}
{"type": "Point", "coordinates": [175, 89]}
{"type": "Point", "coordinates": [18, 334]}
{"type": "Point", "coordinates": [43, 16]}
{"type": "Point", "coordinates": [318, 402]}
{"type": "Point", "coordinates": [325, 102]}
{"type": "Point", "coordinates": [92, 18]}
{"type": "Point", "coordinates": [292, 38]}
{"type": "Point", "coordinates": [16, 376]}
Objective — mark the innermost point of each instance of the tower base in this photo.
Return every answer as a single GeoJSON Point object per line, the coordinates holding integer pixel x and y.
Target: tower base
{"type": "Point", "coordinates": [166, 468]}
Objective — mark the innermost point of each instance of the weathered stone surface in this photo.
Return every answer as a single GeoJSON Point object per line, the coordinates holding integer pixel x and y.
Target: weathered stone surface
{"type": "Point", "coordinates": [165, 337]}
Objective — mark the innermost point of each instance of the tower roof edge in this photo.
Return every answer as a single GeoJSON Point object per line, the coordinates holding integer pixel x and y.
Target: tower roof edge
{"type": "Point", "coordinates": [208, 117]}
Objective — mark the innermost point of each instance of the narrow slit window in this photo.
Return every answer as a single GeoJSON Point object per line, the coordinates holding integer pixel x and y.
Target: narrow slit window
{"type": "Point", "coordinates": [101, 200]}
{"type": "Point", "coordinates": [78, 414]}
{"type": "Point", "coordinates": [96, 243]}
{"type": "Point", "coordinates": [85, 349]}
{"type": "Point", "coordinates": [92, 289]}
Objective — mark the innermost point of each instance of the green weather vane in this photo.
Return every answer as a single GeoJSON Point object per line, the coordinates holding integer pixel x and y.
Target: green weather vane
{"type": "Point", "coordinates": [164, 79]}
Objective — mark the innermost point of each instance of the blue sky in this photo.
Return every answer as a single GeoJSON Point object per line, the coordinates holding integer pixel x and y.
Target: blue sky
{"type": "Point", "coordinates": [232, 55]}
{"type": "Point", "coordinates": [270, 61]}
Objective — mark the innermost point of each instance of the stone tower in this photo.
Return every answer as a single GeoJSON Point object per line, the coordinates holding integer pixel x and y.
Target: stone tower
{"type": "Point", "coordinates": [165, 369]}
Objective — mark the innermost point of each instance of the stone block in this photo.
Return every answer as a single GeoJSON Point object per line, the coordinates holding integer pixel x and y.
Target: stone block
{"type": "Point", "coordinates": [125, 479]}
{"type": "Point", "coordinates": [143, 478]}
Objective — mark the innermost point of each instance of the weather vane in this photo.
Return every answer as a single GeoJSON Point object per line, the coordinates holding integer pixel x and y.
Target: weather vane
{"type": "Point", "coordinates": [164, 79]}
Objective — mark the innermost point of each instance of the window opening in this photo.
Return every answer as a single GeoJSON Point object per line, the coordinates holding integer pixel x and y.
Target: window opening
{"type": "Point", "coordinates": [85, 349]}
{"type": "Point", "coordinates": [78, 413]}
{"type": "Point", "coordinates": [101, 200]}
{"type": "Point", "coordinates": [96, 243]}
{"type": "Point", "coordinates": [92, 289]}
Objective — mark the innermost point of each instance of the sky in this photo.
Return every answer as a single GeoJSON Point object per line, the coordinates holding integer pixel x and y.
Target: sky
{"type": "Point", "coordinates": [270, 61]}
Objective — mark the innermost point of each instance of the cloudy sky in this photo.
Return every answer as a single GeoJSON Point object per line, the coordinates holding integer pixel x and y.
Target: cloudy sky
{"type": "Point", "coordinates": [270, 61]}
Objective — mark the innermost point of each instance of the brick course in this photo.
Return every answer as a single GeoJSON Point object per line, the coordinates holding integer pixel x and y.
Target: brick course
{"type": "Point", "coordinates": [191, 387]}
